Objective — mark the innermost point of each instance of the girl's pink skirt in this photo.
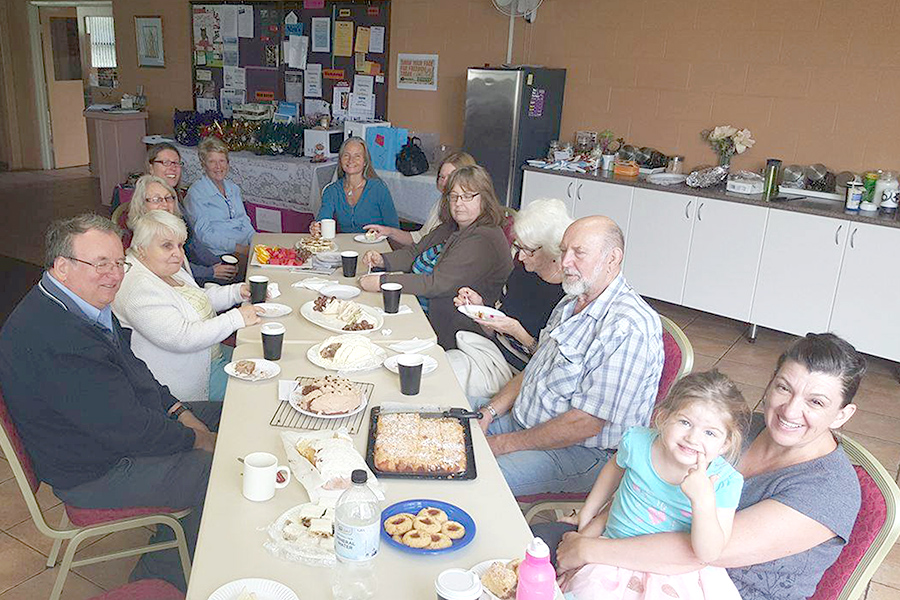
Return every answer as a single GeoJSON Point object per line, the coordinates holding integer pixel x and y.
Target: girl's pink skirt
{"type": "Point", "coordinates": [602, 582]}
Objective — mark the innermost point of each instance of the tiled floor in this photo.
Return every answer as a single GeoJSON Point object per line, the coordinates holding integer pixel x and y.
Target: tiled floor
{"type": "Point", "coordinates": [717, 342]}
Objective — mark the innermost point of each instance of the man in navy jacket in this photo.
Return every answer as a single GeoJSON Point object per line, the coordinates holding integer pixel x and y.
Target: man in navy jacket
{"type": "Point", "coordinates": [97, 425]}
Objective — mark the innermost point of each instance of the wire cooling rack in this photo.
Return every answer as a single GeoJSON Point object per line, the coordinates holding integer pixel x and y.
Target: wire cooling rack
{"type": "Point", "coordinates": [286, 416]}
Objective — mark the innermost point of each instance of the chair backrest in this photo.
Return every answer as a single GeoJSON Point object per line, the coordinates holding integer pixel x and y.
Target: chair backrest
{"type": "Point", "coordinates": [120, 215]}
{"type": "Point", "coordinates": [873, 535]}
{"type": "Point", "coordinates": [14, 449]}
{"type": "Point", "coordinates": [509, 219]}
{"type": "Point", "coordinates": [679, 356]}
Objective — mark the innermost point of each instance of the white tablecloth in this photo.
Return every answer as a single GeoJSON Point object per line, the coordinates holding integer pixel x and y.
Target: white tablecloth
{"type": "Point", "coordinates": [282, 181]}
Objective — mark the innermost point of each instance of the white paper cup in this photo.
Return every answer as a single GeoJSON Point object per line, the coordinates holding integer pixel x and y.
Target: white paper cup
{"type": "Point", "coordinates": [260, 472]}
{"type": "Point", "coordinates": [329, 228]}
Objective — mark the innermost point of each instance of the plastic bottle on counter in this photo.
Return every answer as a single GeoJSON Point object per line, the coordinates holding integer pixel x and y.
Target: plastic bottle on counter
{"type": "Point", "coordinates": [357, 529]}
{"type": "Point", "coordinates": [537, 578]}
{"type": "Point", "coordinates": [887, 181]}
{"type": "Point", "coordinates": [868, 201]}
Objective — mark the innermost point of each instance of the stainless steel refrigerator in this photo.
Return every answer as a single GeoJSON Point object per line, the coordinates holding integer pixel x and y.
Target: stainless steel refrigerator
{"type": "Point", "coordinates": [512, 115]}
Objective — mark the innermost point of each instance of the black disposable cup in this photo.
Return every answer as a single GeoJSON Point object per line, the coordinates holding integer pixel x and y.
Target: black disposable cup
{"type": "Point", "coordinates": [390, 292]}
{"type": "Point", "coordinates": [259, 284]}
{"type": "Point", "coordinates": [410, 368]}
{"type": "Point", "coordinates": [348, 261]}
{"type": "Point", "coordinates": [229, 259]}
{"type": "Point", "coordinates": [272, 340]}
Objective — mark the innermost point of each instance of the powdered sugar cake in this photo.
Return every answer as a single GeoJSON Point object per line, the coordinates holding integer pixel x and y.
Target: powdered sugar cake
{"type": "Point", "coordinates": [408, 443]}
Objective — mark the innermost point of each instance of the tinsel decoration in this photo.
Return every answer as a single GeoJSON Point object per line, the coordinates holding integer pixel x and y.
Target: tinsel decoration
{"type": "Point", "coordinates": [279, 138]}
{"type": "Point", "coordinates": [189, 125]}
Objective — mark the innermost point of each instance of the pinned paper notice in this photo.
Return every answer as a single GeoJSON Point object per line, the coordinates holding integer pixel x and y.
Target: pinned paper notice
{"type": "Point", "coordinates": [231, 98]}
{"type": "Point", "coordinates": [228, 21]}
{"type": "Point", "coordinates": [298, 46]}
{"type": "Point", "coordinates": [290, 18]}
{"type": "Point", "coordinates": [376, 40]}
{"type": "Point", "coordinates": [359, 64]}
{"type": "Point", "coordinates": [321, 34]}
{"type": "Point", "coordinates": [363, 84]}
{"type": "Point", "coordinates": [362, 107]}
{"type": "Point", "coordinates": [362, 40]}
{"type": "Point", "coordinates": [307, 4]}
{"type": "Point", "coordinates": [235, 78]}
{"type": "Point", "coordinates": [341, 101]}
{"type": "Point", "coordinates": [245, 21]}
{"type": "Point", "coordinates": [312, 83]}
{"type": "Point", "coordinates": [343, 38]}
{"type": "Point", "coordinates": [231, 54]}
{"type": "Point", "coordinates": [205, 104]}
{"type": "Point", "coordinates": [268, 220]}
{"type": "Point", "coordinates": [293, 86]}
{"type": "Point", "coordinates": [315, 108]}
{"type": "Point", "coordinates": [204, 75]}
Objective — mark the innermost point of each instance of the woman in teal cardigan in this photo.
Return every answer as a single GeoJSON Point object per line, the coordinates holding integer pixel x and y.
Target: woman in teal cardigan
{"type": "Point", "coordinates": [358, 197]}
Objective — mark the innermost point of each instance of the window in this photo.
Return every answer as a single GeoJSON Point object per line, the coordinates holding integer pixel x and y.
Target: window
{"type": "Point", "coordinates": [103, 41]}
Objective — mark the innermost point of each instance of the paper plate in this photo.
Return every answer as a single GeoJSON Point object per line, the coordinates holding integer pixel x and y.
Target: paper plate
{"type": "Point", "coordinates": [428, 365]}
{"type": "Point", "coordinates": [265, 589]}
{"type": "Point", "coordinates": [344, 292]}
{"type": "Point", "coordinates": [362, 239]}
{"type": "Point", "coordinates": [454, 513]}
{"type": "Point", "coordinates": [273, 309]}
{"type": "Point", "coordinates": [478, 312]}
{"type": "Point", "coordinates": [265, 369]}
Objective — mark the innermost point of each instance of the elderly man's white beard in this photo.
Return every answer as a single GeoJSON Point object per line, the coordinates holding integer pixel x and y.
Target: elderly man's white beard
{"type": "Point", "coordinates": [578, 287]}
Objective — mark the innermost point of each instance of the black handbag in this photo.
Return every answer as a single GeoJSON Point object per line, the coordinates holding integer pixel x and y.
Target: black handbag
{"type": "Point", "coordinates": [411, 160]}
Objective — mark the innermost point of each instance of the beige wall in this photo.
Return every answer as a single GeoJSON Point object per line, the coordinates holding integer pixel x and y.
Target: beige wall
{"type": "Point", "coordinates": [19, 90]}
{"type": "Point", "coordinates": [814, 80]}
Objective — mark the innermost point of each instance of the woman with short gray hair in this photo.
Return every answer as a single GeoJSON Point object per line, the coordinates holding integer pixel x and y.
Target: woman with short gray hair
{"type": "Point", "coordinates": [176, 330]}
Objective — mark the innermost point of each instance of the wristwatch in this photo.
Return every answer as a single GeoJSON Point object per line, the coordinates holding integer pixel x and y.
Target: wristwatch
{"type": "Point", "coordinates": [177, 412]}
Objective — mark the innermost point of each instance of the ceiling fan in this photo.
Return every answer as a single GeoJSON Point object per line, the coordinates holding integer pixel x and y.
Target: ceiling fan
{"type": "Point", "coordinates": [513, 9]}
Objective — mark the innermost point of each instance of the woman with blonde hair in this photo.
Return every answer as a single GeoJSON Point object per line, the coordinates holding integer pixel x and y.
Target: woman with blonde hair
{"type": "Point", "coordinates": [453, 162]}
{"type": "Point", "coordinates": [176, 330]}
{"type": "Point", "coordinates": [468, 248]}
{"type": "Point", "coordinates": [358, 197]}
{"type": "Point", "coordinates": [485, 361]}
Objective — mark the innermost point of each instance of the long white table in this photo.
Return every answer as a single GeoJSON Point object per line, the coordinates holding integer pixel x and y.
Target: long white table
{"type": "Point", "coordinates": [230, 544]}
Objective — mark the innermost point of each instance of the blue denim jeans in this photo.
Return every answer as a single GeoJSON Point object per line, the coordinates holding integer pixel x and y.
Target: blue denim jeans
{"type": "Point", "coordinates": [218, 378]}
{"type": "Point", "coordinates": [572, 469]}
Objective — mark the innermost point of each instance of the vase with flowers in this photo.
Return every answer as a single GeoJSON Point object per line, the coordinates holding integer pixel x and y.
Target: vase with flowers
{"type": "Point", "coordinates": [728, 141]}
{"type": "Point", "coordinates": [607, 146]}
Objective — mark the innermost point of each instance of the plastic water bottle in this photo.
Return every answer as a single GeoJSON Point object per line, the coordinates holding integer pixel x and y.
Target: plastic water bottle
{"type": "Point", "coordinates": [537, 578]}
{"type": "Point", "coordinates": [357, 529]}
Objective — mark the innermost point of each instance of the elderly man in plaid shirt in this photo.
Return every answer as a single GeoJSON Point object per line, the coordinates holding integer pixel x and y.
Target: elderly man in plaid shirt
{"type": "Point", "coordinates": [594, 374]}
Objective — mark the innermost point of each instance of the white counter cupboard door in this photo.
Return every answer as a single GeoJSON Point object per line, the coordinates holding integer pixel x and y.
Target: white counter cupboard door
{"type": "Point", "coordinates": [658, 243]}
{"type": "Point", "coordinates": [548, 185]}
{"type": "Point", "coordinates": [724, 258]}
{"type": "Point", "coordinates": [868, 293]}
{"type": "Point", "coordinates": [597, 198]}
{"type": "Point", "coordinates": [798, 273]}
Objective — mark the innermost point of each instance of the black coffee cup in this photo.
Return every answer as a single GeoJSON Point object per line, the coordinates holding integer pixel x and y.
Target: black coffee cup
{"type": "Point", "coordinates": [410, 368]}
{"type": "Point", "coordinates": [390, 293]}
{"type": "Point", "coordinates": [272, 340]}
{"type": "Point", "coordinates": [228, 259]}
{"type": "Point", "coordinates": [259, 285]}
{"type": "Point", "coordinates": [349, 259]}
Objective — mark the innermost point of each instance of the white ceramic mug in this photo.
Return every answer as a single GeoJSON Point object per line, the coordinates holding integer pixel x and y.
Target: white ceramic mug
{"type": "Point", "coordinates": [261, 470]}
{"type": "Point", "coordinates": [328, 228]}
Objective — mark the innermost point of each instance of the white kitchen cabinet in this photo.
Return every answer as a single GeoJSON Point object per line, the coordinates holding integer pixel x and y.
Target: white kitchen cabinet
{"type": "Point", "coordinates": [724, 257]}
{"type": "Point", "coordinates": [658, 242]}
{"type": "Point", "coordinates": [548, 185]}
{"type": "Point", "coordinates": [868, 292]}
{"type": "Point", "coordinates": [799, 270]}
{"type": "Point", "coordinates": [608, 199]}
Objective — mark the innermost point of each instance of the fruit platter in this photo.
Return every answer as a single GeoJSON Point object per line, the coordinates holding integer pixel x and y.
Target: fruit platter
{"type": "Point", "coordinates": [275, 256]}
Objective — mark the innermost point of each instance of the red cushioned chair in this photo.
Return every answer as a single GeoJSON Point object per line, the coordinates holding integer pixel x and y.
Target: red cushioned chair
{"type": "Point", "coordinates": [79, 524]}
{"type": "Point", "coordinates": [873, 535]}
{"type": "Point", "coordinates": [145, 589]}
{"type": "Point", "coordinates": [678, 362]}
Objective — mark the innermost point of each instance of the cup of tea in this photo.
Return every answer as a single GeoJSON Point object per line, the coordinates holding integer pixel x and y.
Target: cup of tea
{"type": "Point", "coordinates": [410, 368]}
{"type": "Point", "coordinates": [390, 293]}
{"type": "Point", "coordinates": [349, 260]}
{"type": "Point", "coordinates": [259, 285]}
{"type": "Point", "coordinates": [261, 471]}
{"type": "Point", "coordinates": [228, 259]}
{"type": "Point", "coordinates": [272, 340]}
{"type": "Point", "coordinates": [329, 228]}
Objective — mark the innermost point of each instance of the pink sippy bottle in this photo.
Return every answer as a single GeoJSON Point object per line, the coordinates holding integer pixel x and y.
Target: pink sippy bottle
{"type": "Point", "coordinates": [537, 578]}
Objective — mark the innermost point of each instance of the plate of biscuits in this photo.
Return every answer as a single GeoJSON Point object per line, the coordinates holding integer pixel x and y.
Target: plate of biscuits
{"type": "Point", "coordinates": [426, 526]}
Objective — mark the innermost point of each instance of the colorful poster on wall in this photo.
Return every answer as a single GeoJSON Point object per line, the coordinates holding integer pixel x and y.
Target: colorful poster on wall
{"type": "Point", "coordinates": [343, 38]}
{"type": "Point", "coordinates": [207, 36]}
{"type": "Point", "coordinates": [417, 71]}
{"type": "Point", "coordinates": [341, 99]}
{"type": "Point", "coordinates": [321, 34]}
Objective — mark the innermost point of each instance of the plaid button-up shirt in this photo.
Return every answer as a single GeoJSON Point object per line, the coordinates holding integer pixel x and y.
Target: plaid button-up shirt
{"type": "Point", "coordinates": [605, 360]}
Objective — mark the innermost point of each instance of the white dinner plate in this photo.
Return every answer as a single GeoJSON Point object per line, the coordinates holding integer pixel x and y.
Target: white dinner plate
{"type": "Point", "coordinates": [265, 369]}
{"type": "Point", "coordinates": [329, 258]}
{"type": "Point", "coordinates": [332, 324]}
{"type": "Point", "coordinates": [666, 178]}
{"type": "Point", "coordinates": [294, 401]}
{"type": "Point", "coordinates": [315, 358]}
{"type": "Point", "coordinates": [273, 309]}
{"type": "Point", "coordinates": [480, 569]}
{"type": "Point", "coordinates": [477, 311]}
{"type": "Point", "coordinates": [428, 365]}
{"type": "Point", "coordinates": [344, 292]}
{"type": "Point", "coordinates": [265, 589]}
{"type": "Point", "coordinates": [362, 239]}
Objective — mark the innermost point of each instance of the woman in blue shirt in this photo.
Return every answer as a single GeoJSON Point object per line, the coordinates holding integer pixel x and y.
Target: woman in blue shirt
{"type": "Point", "coordinates": [358, 197]}
{"type": "Point", "coordinates": [214, 208]}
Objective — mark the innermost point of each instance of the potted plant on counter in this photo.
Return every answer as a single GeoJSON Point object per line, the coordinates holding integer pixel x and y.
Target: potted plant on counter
{"type": "Point", "coordinates": [608, 146]}
{"type": "Point", "coordinates": [728, 141]}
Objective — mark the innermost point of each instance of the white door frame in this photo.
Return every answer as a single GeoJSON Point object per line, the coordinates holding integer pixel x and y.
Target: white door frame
{"type": "Point", "coordinates": [37, 64]}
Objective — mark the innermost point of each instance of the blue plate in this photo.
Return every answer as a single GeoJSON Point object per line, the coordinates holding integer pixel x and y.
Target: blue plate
{"type": "Point", "coordinates": [454, 513]}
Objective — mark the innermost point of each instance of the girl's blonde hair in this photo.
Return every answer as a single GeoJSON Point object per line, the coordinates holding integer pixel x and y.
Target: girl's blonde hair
{"type": "Point", "coordinates": [137, 206]}
{"type": "Point", "coordinates": [714, 389]}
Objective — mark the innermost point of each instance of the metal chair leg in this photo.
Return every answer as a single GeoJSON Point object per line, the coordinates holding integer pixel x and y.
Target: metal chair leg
{"type": "Point", "coordinates": [57, 543]}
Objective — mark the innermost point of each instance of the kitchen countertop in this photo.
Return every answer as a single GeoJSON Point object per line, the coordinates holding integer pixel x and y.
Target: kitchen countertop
{"type": "Point", "coordinates": [813, 206]}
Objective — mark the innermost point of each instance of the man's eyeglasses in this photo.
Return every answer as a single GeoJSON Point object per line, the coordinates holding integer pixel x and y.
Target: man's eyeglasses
{"type": "Point", "coordinates": [454, 197]}
{"type": "Point", "coordinates": [161, 199]}
{"type": "Point", "coordinates": [169, 163]}
{"type": "Point", "coordinates": [104, 267]}
{"type": "Point", "coordinates": [526, 251]}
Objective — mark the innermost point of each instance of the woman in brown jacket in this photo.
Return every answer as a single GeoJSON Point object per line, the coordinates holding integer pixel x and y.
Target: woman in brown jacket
{"type": "Point", "coordinates": [468, 248]}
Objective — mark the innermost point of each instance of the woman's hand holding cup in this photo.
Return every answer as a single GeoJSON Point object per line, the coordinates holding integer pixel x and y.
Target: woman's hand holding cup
{"type": "Point", "coordinates": [245, 291]}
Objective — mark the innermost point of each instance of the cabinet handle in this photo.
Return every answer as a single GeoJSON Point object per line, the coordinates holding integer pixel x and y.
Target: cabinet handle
{"type": "Point", "coordinates": [578, 191]}
{"type": "Point", "coordinates": [853, 236]}
{"type": "Point", "coordinates": [569, 189]}
{"type": "Point", "coordinates": [686, 207]}
{"type": "Point", "coordinates": [699, 209]}
{"type": "Point", "coordinates": [837, 233]}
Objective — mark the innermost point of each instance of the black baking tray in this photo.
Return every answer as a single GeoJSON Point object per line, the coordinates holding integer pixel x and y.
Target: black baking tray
{"type": "Point", "coordinates": [470, 473]}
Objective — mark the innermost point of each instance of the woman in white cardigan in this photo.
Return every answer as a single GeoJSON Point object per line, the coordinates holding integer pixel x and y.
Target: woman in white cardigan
{"type": "Point", "coordinates": [175, 327]}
